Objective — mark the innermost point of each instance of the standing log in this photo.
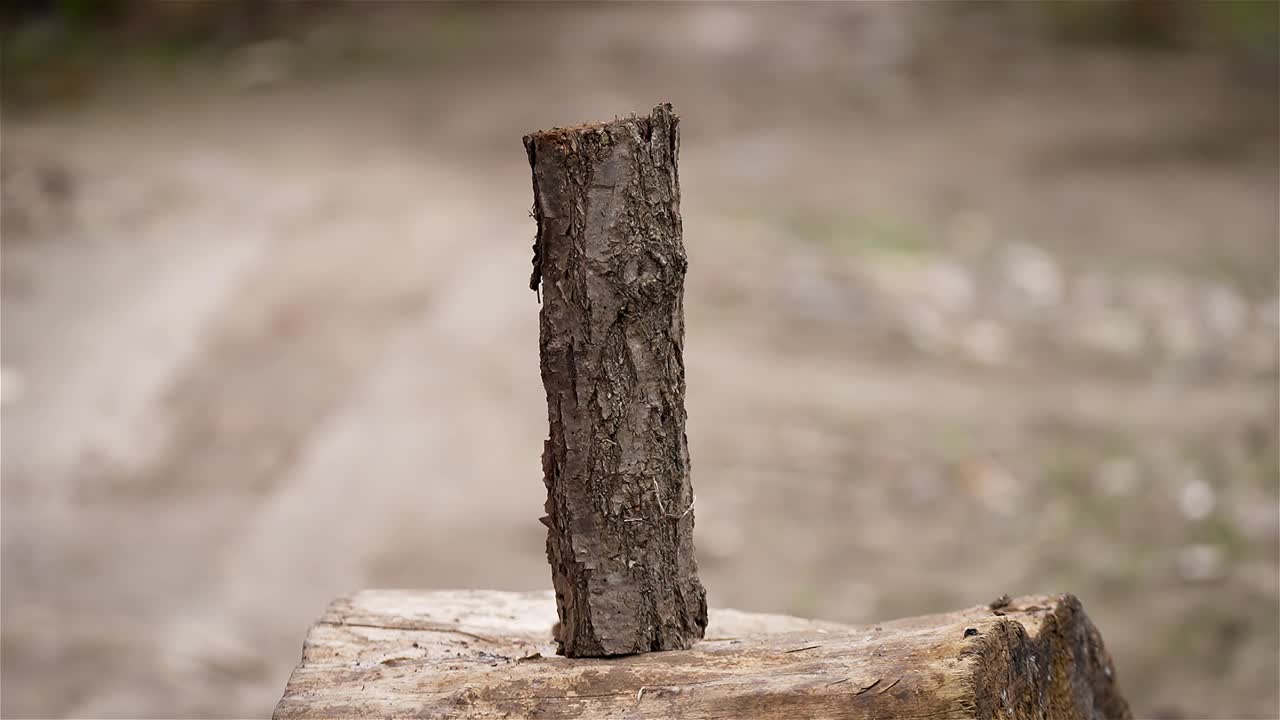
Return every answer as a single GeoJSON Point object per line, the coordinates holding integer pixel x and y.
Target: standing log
{"type": "Point", "coordinates": [487, 655]}
{"type": "Point", "coordinates": [610, 260]}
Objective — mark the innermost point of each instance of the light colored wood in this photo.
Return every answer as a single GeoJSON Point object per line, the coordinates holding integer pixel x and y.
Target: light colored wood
{"type": "Point", "coordinates": [484, 654]}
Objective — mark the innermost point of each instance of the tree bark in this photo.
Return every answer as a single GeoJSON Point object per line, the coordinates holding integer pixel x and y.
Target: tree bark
{"type": "Point", "coordinates": [610, 260]}
{"type": "Point", "coordinates": [487, 655]}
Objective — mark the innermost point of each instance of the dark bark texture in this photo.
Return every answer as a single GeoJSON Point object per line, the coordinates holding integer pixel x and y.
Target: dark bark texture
{"type": "Point", "coordinates": [611, 263]}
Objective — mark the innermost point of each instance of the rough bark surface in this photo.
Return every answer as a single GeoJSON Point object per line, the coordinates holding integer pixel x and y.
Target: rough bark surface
{"type": "Point", "coordinates": [476, 654]}
{"type": "Point", "coordinates": [610, 260]}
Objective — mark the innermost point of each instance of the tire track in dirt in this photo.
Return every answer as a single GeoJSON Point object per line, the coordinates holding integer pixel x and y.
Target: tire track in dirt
{"type": "Point", "coordinates": [299, 329]}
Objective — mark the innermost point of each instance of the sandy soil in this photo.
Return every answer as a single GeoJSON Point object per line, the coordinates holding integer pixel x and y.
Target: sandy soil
{"type": "Point", "coordinates": [968, 314]}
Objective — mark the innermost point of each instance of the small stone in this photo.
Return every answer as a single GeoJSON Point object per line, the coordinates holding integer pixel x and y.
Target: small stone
{"type": "Point", "coordinates": [1033, 274]}
{"type": "Point", "coordinates": [1197, 500]}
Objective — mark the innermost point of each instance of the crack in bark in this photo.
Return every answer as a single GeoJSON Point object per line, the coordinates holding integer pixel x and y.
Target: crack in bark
{"type": "Point", "coordinates": [411, 626]}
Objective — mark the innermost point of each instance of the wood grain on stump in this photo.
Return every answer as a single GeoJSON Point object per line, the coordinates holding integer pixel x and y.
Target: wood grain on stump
{"type": "Point", "coordinates": [476, 654]}
{"type": "Point", "coordinates": [609, 259]}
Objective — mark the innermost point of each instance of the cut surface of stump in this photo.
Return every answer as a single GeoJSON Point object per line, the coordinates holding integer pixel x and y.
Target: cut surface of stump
{"type": "Point", "coordinates": [480, 654]}
{"type": "Point", "coordinates": [609, 260]}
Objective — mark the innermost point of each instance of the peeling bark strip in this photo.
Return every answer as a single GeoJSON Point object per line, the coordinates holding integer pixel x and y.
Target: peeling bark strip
{"type": "Point", "coordinates": [611, 263]}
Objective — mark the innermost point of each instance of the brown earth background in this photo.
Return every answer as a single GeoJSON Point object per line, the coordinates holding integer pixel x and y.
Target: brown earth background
{"type": "Point", "coordinates": [976, 305]}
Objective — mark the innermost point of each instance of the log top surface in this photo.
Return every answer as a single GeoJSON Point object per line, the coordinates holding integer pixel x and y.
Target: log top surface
{"type": "Point", "coordinates": [588, 127]}
{"type": "Point", "coordinates": [488, 654]}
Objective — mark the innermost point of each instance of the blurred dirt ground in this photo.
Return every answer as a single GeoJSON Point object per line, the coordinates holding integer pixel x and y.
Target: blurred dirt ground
{"type": "Point", "coordinates": [970, 312]}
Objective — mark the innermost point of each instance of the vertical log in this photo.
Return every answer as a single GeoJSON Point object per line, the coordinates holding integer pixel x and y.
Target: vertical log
{"type": "Point", "coordinates": [610, 260]}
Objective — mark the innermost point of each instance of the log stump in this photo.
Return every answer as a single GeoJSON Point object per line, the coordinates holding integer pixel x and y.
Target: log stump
{"type": "Point", "coordinates": [477, 654]}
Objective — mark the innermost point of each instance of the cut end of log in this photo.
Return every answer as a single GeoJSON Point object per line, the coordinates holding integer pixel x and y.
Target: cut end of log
{"type": "Point", "coordinates": [477, 654]}
{"type": "Point", "coordinates": [660, 113]}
